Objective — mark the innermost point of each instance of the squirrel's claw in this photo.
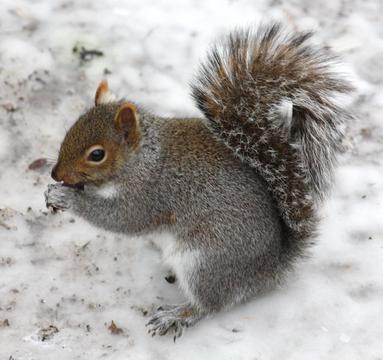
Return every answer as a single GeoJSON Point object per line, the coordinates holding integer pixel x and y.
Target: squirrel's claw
{"type": "Point", "coordinates": [56, 197]}
{"type": "Point", "coordinates": [172, 317]}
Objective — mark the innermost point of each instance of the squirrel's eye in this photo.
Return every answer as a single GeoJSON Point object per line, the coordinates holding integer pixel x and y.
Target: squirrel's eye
{"type": "Point", "coordinates": [96, 155]}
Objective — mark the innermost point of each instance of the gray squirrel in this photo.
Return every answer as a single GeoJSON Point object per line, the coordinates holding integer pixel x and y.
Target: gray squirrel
{"type": "Point", "coordinates": [238, 190]}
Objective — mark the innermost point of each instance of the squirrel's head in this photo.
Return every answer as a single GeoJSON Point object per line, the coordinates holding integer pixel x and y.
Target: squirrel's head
{"type": "Point", "coordinates": [97, 145]}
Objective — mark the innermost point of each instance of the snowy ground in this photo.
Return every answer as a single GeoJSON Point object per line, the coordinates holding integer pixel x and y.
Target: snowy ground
{"type": "Point", "coordinates": [63, 282]}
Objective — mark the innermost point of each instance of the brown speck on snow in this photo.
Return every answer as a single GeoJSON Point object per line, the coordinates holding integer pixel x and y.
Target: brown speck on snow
{"type": "Point", "coordinates": [47, 333]}
{"type": "Point", "coordinates": [4, 323]}
{"type": "Point", "coordinates": [37, 164]}
{"type": "Point", "coordinates": [114, 329]}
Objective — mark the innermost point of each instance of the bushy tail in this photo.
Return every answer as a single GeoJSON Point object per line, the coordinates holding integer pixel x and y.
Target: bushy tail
{"type": "Point", "coordinates": [269, 96]}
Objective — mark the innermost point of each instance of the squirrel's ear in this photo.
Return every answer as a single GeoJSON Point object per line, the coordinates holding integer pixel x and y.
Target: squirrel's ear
{"type": "Point", "coordinates": [127, 122]}
{"type": "Point", "coordinates": [103, 95]}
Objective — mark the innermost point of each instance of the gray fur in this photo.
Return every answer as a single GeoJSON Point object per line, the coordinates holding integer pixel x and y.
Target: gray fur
{"type": "Point", "coordinates": [223, 208]}
{"type": "Point", "coordinates": [237, 230]}
{"type": "Point", "coordinates": [243, 89]}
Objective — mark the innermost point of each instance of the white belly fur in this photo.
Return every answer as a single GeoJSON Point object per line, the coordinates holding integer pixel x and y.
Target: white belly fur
{"type": "Point", "coordinates": [182, 262]}
{"type": "Point", "coordinates": [108, 190]}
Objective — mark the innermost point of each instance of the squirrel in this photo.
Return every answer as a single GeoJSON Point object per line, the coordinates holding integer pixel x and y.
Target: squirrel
{"type": "Point", "coordinates": [238, 190]}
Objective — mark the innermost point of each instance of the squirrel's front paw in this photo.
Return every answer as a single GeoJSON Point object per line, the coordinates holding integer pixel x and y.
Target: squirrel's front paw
{"type": "Point", "coordinates": [58, 197]}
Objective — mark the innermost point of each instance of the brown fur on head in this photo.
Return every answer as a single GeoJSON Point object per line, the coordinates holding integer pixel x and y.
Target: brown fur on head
{"type": "Point", "coordinates": [97, 145]}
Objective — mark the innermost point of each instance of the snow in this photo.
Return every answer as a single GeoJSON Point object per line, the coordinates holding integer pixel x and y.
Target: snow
{"type": "Point", "coordinates": [59, 272]}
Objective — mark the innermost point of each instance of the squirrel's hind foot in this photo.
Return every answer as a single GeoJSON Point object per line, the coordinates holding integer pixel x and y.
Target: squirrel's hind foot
{"type": "Point", "coordinates": [176, 317]}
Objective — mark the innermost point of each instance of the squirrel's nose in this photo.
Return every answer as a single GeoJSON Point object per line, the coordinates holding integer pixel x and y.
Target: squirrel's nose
{"type": "Point", "coordinates": [54, 174]}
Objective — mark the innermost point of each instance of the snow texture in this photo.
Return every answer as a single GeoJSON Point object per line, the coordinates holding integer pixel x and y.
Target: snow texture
{"type": "Point", "coordinates": [63, 282]}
